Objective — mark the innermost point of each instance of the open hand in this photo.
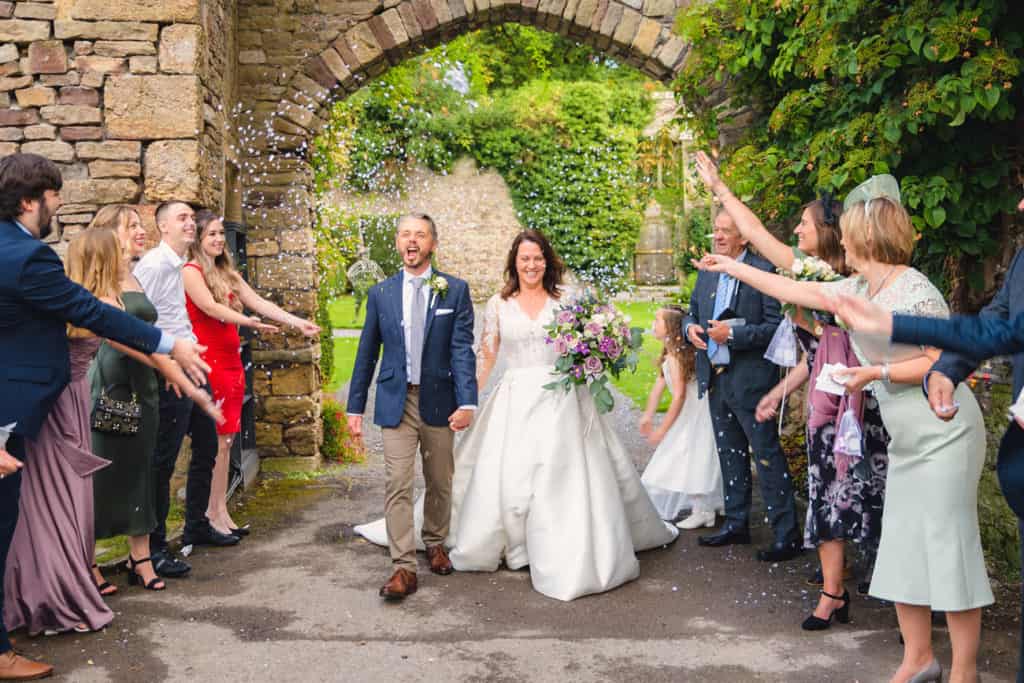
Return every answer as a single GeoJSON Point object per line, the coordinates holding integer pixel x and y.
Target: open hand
{"type": "Point", "coordinates": [861, 315]}
{"type": "Point", "coordinates": [645, 425]}
{"type": "Point", "coordinates": [308, 328]}
{"type": "Point", "coordinates": [855, 379]}
{"type": "Point", "coordinates": [355, 427]}
{"type": "Point", "coordinates": [767, 407]}
{"type": "Point", "coordinates": [188, 356]}
{"type": "Point", "coordinates": [940, 396]}
{"type": "Point", "coordinates": [715, 263]}
{"type": "Point", "coordinates": [460, 419]}
{"type": "Point", "coordinates": [693, 333]}
{"type": "Point", "coordinates": [708, 172]}
{"type": "Point", "coordinates": [208, 405]}
{"type": "Point", "coordinates": [261, 326]}
{"type": "Point", "coordinates": [8, 463]}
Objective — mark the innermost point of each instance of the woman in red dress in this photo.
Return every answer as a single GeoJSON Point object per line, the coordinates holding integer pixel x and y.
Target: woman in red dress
{"type": "Point", "coordinates": [216, 296]}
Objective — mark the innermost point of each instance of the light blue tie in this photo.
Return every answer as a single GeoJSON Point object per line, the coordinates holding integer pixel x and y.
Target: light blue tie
{"type": "Point", "coordinates": [416, 330]}
{"type": "Point", "coordinates": [719, 355]}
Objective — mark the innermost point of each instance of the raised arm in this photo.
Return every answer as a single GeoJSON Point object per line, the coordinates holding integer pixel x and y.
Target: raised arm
{"type": "Point", "coordinates": [975, 337]}
{"type": "Point", "coordinates": [749, 225]}
{"type": "Point", "coordinates": [807, 294]}
{"type": "Point", "coordinates": [199, 292]}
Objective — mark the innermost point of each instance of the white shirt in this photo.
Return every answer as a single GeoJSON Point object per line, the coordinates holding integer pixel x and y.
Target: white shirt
{"type": "Point", "coordinates": [159, 273]}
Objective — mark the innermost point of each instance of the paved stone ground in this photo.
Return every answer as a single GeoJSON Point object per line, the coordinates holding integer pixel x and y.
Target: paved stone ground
{"type": "Point", "coordinates": [297, 601]}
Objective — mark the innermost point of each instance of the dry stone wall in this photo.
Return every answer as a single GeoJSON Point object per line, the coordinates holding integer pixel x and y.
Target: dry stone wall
{"type": "Point", "coordinates": [138, 101]}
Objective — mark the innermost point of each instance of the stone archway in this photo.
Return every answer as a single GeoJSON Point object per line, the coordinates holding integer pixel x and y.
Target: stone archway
{"type": "Point", "coordinates": [218, 101]}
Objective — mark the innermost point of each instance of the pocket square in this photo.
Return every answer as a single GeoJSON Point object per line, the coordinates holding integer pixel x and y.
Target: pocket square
{"type": "Point", "coordinates": [444, 311]}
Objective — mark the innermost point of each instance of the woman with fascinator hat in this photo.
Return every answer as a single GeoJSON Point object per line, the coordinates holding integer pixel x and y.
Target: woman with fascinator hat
{"type": "Point", "coordinates": [930, 554]}
{"type": "Point", "coordinates": [844, 503]}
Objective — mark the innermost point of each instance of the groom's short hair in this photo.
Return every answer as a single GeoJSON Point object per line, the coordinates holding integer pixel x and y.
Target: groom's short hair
{"type": "Point", "coordinates": [415, 216]}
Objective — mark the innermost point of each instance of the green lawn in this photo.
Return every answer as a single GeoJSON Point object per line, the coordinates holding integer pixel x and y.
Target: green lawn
{"type": "Point", "coordinates": [344, 357]}
{"type": "Point", "coordinates": [637, 385]}
{"type": "Point", "coordinates": [342, 312]}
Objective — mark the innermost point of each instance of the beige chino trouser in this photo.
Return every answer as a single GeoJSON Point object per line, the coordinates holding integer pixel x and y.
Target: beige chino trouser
{"type": "Point", "coordinates": [400, 446]}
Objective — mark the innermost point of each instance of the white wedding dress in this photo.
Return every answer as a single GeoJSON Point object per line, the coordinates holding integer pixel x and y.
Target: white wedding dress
{"type": "Point", "coordinates": [541, 478]}
{"type": "Point", "coordinates": [684, 472]}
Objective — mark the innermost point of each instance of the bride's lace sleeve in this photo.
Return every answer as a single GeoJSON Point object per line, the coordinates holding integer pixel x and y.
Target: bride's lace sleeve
{"type": "Point", "coordinates": [490, 342]}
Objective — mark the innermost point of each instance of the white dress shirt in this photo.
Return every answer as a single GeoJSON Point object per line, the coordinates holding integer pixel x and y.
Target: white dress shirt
{"type": "Point", "coordinates": [159, 273]}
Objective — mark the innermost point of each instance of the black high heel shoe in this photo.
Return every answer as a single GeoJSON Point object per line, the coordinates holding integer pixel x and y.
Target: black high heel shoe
{"type": "Point", "coordinates": [241, 531]}
{"type": "Point", "coordinates": [842, 614]}
{"type": "Point", "coordinates": [106, 588]}
{"type": "Point", "coordinates": [135, 578]}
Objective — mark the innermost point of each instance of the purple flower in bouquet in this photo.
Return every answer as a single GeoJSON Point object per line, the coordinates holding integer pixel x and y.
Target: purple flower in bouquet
{"type": "Point", "coordinates": [566, 317]}
{"type": "Point", "coordinates": [593, 365]}
{"type": "Point", "coordinates": [577, 371]}
{"type": "Point", "coordinates": [561, 347]}
{"type": "Point", "coordinates": [582, 348]}
{"type": "Point", "coordinates": [577, 308]}
{"type": "Point", "coordinates": [593, 328]}
{"type": "Point", "coordinates": [610, 347]}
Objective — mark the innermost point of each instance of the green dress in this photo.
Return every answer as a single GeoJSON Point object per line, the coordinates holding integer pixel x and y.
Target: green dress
{"type": "Point", "coordinates": [124, 491]}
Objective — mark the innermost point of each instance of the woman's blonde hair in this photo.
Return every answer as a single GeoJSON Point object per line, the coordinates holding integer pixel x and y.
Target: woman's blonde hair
{"type": "Point", "coordinates": [879, 229]}
{"type": "Point", "coordinates": [114, 217]}
{"type": "Point", "coordinates": [674, 345]}
{"type": "Point", "coordinates": [94, 260]}
{"type": "Point", "coordinates": [220, 273]}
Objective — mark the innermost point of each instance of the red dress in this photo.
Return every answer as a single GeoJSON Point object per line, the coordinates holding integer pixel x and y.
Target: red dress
{"type": "Point", "coordinates": [227, 376]}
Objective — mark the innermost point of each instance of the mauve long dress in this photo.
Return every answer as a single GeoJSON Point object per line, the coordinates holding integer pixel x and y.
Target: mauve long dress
{"type": "Point", "coordinates": [49, 583]}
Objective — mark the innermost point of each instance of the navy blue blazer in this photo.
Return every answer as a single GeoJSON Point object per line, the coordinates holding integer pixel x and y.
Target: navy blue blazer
{"type": "Point", "coordinates": [1008, 303]}
{"type": "Point", "coordinates": [37, 301]}
{"type": "Point", "coordinates": [976, 337]}
{"type": "Point", "coordinates": [750, 376]}
{"type": "Point", "coordinates": [448, 375]}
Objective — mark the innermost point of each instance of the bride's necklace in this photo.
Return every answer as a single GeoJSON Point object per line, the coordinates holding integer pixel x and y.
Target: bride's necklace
{"type": "Point", "coordinates": [881, 284]}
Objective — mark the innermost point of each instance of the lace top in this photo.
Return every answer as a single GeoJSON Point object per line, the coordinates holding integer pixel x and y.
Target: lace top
{"type": "Point", "coordinates": [509, 333]}
{"type": "Point", "coordinates": [911, 292]}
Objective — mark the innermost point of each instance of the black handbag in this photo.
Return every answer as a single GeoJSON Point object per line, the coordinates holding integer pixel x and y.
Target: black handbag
{"type": "Point", "coordinates": [111, 416]}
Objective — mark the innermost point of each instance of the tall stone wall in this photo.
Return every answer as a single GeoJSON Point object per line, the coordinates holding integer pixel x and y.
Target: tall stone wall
{"type": "Point", "coordinates": [218, 101]}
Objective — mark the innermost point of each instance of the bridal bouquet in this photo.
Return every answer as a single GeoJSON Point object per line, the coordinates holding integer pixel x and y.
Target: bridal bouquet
{"type": "Point", "coordinates": [809, 269]}
{"type": "Point", "coordinates": [593, 339]}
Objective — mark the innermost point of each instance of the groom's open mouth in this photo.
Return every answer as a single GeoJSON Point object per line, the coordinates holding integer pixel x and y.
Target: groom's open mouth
{"type": "Point", "coordinates": [412, 252]}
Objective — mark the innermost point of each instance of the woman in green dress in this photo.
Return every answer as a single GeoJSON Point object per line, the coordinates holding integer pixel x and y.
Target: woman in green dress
{"type": "Point", "coordinates": [124, 491]}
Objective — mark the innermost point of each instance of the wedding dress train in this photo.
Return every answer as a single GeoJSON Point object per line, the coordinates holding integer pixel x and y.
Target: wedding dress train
{"type": "Point", "coordinates": [541, 479]}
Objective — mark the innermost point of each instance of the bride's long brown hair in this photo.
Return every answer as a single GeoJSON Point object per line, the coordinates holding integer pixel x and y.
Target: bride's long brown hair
{"type": "Point", "coordinates": [554, 269]}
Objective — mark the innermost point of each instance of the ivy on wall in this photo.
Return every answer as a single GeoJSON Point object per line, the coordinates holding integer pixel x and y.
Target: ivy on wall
{"type": "Point", "coordinates": [927, 90]}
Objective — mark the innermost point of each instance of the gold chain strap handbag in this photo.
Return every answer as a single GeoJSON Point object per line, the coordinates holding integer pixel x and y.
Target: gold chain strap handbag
{"type": "Point", "coordinates": [111, 416]}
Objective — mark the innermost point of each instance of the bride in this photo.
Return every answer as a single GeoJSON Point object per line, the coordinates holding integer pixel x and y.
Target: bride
{"type": "Point", "coordinates": [541, 480]}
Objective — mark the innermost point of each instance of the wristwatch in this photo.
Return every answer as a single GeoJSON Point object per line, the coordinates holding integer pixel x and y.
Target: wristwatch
{"type": "Point", "coordinates": [731, 335]}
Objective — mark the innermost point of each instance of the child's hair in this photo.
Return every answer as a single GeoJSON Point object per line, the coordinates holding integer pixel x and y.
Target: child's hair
{"type": "Point", "coordinates": [674, 343]}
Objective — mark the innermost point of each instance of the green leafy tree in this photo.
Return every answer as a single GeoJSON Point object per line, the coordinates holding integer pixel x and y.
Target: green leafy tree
{"type": "Point", "coordinates": [927, 90]}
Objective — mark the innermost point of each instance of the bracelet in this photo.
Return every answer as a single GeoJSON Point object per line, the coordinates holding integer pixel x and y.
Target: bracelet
{"type": "Point", "coordinates": [885, 372]}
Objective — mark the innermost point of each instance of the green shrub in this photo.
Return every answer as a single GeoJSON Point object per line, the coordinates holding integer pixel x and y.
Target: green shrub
{"type": "Point", "coordinates": [323, 319]}
{"type": "Point", "coordinates": [338, 444]}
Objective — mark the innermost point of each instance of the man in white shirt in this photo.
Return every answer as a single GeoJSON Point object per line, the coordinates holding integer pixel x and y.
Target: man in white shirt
{"type": "Point", "coordinates": [159, 272]}
{"type": "Point", "coordinates": [426, 391]}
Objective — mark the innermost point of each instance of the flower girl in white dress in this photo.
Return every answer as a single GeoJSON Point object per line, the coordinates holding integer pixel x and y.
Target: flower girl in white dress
{"type": "Point", "coordinates": [684, 471]}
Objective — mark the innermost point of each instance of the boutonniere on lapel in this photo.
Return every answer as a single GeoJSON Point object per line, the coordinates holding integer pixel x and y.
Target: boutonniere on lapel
{"type": "Point", "coordinates": [438, 288]}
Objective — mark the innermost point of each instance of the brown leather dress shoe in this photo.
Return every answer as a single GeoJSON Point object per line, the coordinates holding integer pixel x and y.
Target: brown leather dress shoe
{"type": "Point", "coordinates": [439, 562]}
{"type": "Point", "coordinates": [16, 668]}
{"type": "Point", "coordinates": [401, 584]}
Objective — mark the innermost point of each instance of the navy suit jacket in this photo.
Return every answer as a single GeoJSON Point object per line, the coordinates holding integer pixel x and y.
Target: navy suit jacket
{"type": "Point", "coordinates": [750, 376]}
{"type": "Point", "coordinates": [1008, 303]}
{"type": "Point", "coordinates": [37, 301]}
{"type": "Point", "coordinates": [448, 375]}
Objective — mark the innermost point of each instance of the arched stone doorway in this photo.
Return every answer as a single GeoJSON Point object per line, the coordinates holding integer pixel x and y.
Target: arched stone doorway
{"type": "Point", "coordinates": [217, 102]}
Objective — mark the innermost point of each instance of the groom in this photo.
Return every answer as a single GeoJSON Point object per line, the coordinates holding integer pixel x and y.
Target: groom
{"type": "Point", "coordinates": [426, 391]}
{"type": "Point", "coordinates": [732, 370]}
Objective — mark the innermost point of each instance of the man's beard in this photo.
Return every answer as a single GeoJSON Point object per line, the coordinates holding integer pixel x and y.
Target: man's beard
{"type": "Point", "coordinates": [45, 222]}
